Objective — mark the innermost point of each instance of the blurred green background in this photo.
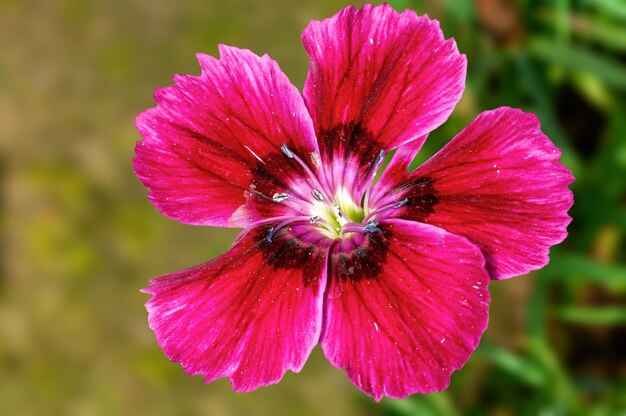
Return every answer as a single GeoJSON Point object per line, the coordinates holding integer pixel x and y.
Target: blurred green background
{"type": "Point", "coordinates": [79, 237]}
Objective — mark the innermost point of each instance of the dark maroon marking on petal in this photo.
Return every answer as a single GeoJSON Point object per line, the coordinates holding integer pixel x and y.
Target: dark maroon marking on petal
{"type": "Point", "coordinates": [361, 256]}
{"type": "Point", "coordinates": [349, 139]}
{"type": "Point", "coordinates": [267, 177]}
{"type": "Point", "coordinates": [288, 250]}
{"type": "Point", "coordinates": [421, 198]}
{"type": "Point", "coordinates": [273, 174]}
{"type": "Point", "coordinates": [346, 144]}
{"type": "Point", "coordinates": [292, 247]}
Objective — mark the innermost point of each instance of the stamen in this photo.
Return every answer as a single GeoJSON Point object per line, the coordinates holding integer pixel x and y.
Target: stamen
{"type": "Point", "coordinates": [289, 220]}
{"type": "Point", "coordinates": [272, 232]}
{"type": "Point", "coordinates": [401, 203]}
{"type": "Point", "coordinates": [341, 220]}
{"type": "Point", "coordinates": [286, 151]}
{"type": "Point", "coordinates": [280, 197]}
{"type": "Point", "coordinates": [298, 205]}
{"type": "Point", "coordinates": [354, 227]}
{"type": "Point", "coordinates": [379, 159]}
{"type": "Point", "coordinates": [317, 194]}
{"type": "Point", "coordinates": [371, 175]}
{"type": "Point", "coordinates": [371, 226]}
{"type": "Point", "coordinates": [317, 162]}
{"type": "Point", "coordinates": [316, 183]}
{"type": "Point", "coordinates": [373, 167]}
{"type": "Point", "coordinates": [393, 205]}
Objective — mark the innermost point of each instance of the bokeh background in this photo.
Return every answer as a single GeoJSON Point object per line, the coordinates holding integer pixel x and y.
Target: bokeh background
{"type": "Point", "coordinates": [79, 237]}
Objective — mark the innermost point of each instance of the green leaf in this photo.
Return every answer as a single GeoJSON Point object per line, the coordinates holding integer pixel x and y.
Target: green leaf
{"type": "Point", "coordinates": [576, 59]}
{"type": "Point", "coordinates": [615, 8]}
{"type": "Point", "coordinates": [572, 268]}
{"type": "Point", "coordinates": [523, 369]}
{"type": "Point", "coordinates": [461, 10]}
{"type": "Point", "coordinates": [433, 404]}
{"type": "Point", "coordinates": [592, 316]}
{"type": "Point", "coordinates": [600, 30]}
{"type": "Point", "coordinates": [400, 5]}
{"type": "Point", "coordinates": [562, 20]}
{"type": "Point", "coordinates": [545, 110]}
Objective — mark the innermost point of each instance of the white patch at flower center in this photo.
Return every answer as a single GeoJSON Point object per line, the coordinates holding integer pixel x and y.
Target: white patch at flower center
{"type": "Point", "coordinates": [334, 215]}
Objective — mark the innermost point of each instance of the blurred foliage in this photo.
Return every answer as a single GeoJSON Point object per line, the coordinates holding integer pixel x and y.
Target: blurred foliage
{"type": "Point", "coordinates": [79, 237]}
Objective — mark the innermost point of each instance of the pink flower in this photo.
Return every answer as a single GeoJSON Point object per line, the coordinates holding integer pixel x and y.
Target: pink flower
{"type": "Point", "coordinates": [389, 276]}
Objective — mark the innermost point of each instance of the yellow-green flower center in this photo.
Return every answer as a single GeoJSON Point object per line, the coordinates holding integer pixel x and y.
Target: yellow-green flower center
{"type": "Point", "coordinates": [332, 217]}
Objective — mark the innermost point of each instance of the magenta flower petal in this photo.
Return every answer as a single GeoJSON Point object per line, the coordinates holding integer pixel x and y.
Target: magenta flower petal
{"type": "Point", "coordinates": [250, 314]}
{"type": "Point", "coordinates": [378, 79]}
{"type": "Point", "coordinates": [392, 74]}
{"type": "Point", "coordinates": [405, 308]}
{"type": "Point", "coordinates": [210, 134]}
{"type": "Point", "coordinates": [499, 183]}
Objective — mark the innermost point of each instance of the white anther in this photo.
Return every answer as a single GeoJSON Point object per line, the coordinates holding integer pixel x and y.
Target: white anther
{"type": "Point", "coordinates": [317, 194]}
{"type": "Point", "coordinates": [280, 197]}
{"type": "Point", "coordinates": [286, 151]}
